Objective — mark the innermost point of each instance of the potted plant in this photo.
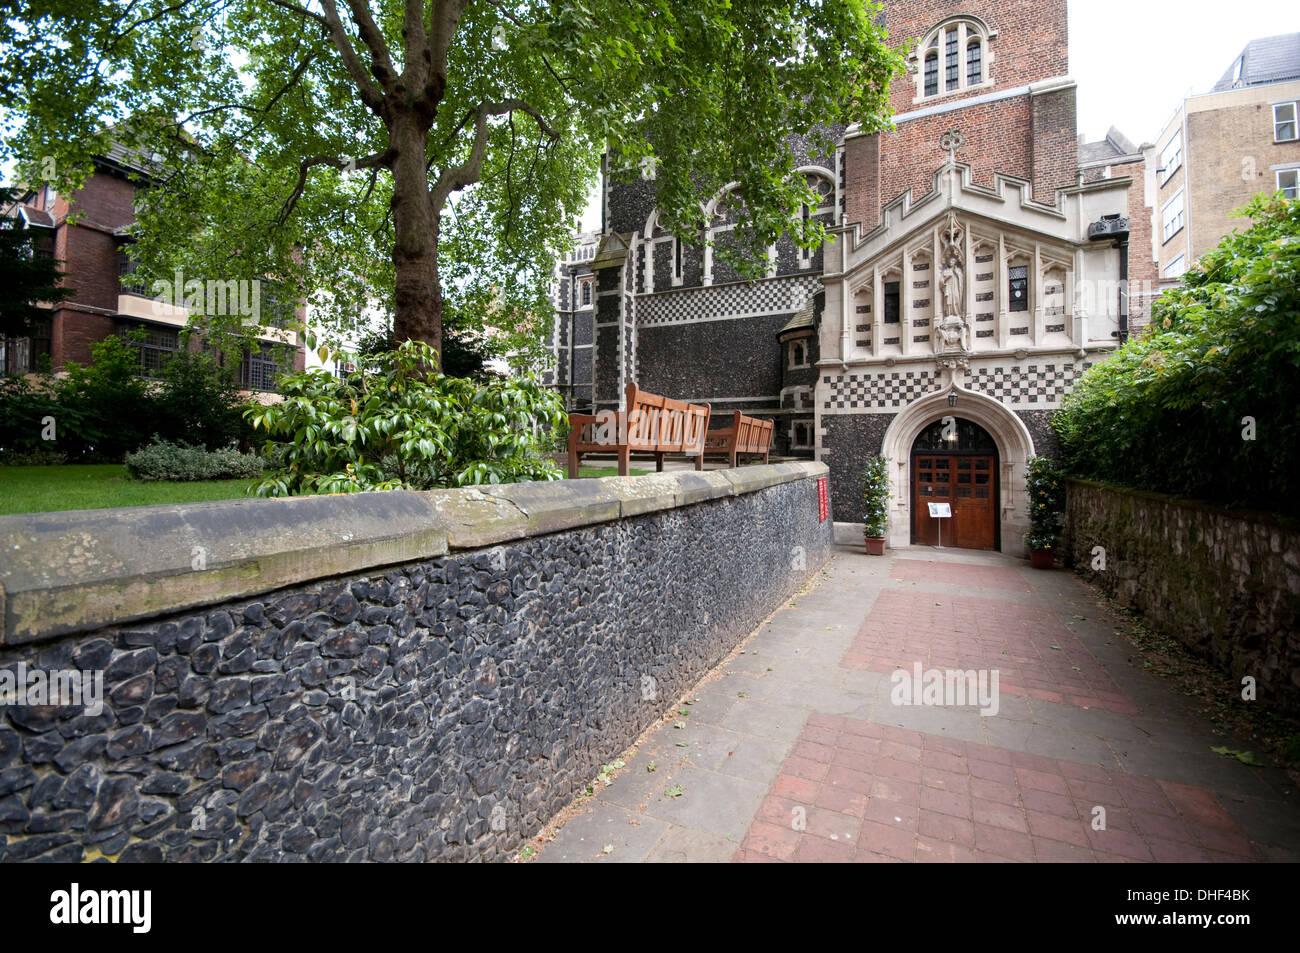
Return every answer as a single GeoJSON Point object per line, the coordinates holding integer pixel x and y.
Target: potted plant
{"type": "Point", "coordinates": [1046, 492]}
{"type": "Point", "coordinates": [875, 504]}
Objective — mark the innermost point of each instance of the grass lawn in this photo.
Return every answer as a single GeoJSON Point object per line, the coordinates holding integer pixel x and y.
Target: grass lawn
{"type": "Point", "coordinates": [99, 486]}
{"type": "Point", "coordinates": [102, 486]}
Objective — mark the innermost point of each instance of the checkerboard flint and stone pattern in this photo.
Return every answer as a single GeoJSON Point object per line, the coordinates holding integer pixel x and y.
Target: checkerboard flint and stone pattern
{"type": "Point", "coordinates": [855, 791]}
{"type": "Point", "coordinates": [686, 305]}
{"type": "Point", "coordinates": [1039, 384]}
{"type": "Point", "coordinates": [868, 390]}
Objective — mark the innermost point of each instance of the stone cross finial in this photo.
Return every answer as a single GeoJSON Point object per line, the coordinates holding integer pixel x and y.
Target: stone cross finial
{"type": "Point", "coordinates": [950, 142]}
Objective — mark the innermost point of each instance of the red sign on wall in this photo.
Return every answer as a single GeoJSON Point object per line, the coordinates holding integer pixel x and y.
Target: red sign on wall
{"type": "Point", "coordinates": [823, 500]}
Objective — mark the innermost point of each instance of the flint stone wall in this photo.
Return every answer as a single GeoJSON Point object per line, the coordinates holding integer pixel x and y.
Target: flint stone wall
{"type": "Point", "coordinates": [444, 708]}
{"type": "Point", "coordinates": [1225, 584]}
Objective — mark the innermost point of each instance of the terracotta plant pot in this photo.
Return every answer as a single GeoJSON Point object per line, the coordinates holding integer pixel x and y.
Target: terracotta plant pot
{"type": "Point", "coordinates": [1042, 558]}
{"type": "Point", "coordinates": [875, 545]}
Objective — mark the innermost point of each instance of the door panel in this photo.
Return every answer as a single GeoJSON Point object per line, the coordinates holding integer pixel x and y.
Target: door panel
{"type": "Point", "coordinates": [966, 483]}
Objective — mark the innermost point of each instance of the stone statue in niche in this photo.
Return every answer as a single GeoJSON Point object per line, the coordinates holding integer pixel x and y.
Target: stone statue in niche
{"type": "Point", "coordinates": [954, 333]}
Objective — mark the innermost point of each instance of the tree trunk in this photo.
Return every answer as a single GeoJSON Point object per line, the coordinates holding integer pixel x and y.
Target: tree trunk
{"type": "Point", "coordinates": [418, 293]}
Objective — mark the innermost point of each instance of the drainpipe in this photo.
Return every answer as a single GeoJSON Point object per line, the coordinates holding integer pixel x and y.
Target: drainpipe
{"type": "Point", "coordinates": [1122, 245]}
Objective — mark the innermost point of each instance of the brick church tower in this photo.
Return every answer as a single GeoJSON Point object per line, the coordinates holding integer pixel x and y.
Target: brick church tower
{"type": "Point", "coordinates": [979, 263]}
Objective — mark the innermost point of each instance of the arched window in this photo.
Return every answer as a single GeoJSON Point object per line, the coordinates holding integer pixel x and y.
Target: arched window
{"type": "Point", "coordinates": [974, 63]}
{"type": "Point", "coordinates": [586, 292]}
{"type": "Point", "coordinates": [961, 43]}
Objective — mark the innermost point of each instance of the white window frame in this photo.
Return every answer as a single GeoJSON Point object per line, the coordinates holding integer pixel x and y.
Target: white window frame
{"type": "Point", "coordinates": [1294, 187]}
{"type": "Point", "coordinates": [1294, 121]}
{"type": "Point", "coordinates": [1165, 221]}
{"type": "Point", "coordinates": [794, 346]}
{"type": "Point", "coordinates": [1171, 163]}
{"type": "Point", "coordinates": [1176, 268]}
{"type": "Point", "coordinates": [583, 283]}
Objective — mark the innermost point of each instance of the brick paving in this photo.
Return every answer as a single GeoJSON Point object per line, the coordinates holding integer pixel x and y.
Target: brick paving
{"type": "Point", "coordinates": [794, 750]}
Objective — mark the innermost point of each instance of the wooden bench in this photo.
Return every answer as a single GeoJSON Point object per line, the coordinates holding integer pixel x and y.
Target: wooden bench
{"type": "Point", "coordinates": [650, 425]}
{"type": "Point", "coordinates": [747, 435]}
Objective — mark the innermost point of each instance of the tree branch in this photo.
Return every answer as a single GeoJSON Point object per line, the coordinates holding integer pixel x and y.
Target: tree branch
{"type": "Point", "coordinates": [381, 61]}
{"type": "Point", "coordinates": [467, 173]}
{"type": "Point", "coordinates": [312, 162]}
{"type": "Point", "coordinates": [301, 11]}
{"type": "Point", "coordinates": [370, 94]}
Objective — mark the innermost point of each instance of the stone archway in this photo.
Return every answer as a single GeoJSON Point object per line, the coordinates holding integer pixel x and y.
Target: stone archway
{"type": "Point", "coordinates": [1015, 447]}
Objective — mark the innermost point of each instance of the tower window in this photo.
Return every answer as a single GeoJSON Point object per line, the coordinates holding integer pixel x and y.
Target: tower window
{"type": "Point", "coordinates": [974, 63]}
{"type": "Point", "coordinates": [932, 73]}
{"type": "Point", "coordinates": [1018, 291]}
{"type": "Point", "coordinates": [586, 292]}
{"type": "Point", "coordinates": [891, 302]}
{"type": "Point", "coordinates": [950, 60]}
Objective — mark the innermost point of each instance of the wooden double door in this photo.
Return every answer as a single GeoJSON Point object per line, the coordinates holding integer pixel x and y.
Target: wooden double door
{"type": "Point", "coordinates": [967, 482]}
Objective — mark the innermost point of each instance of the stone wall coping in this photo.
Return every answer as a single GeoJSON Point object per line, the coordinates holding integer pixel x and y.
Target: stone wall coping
{"type": "Point", "coordinates": [78, 570]}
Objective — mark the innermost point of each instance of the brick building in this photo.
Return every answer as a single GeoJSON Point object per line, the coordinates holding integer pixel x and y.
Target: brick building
{"type": "Point", "coordinates": [973, 274]}
{"type": "Point", "coordinates": [91, 247]}
{"type": "Point", "coordinates": [1222, 147]}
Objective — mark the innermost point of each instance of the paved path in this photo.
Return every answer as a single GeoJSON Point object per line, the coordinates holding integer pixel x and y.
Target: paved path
{"type": "Point", "coordinates": [794, 751]}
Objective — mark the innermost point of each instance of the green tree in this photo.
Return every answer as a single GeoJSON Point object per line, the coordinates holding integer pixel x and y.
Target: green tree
{"type": "Point", "coordinates": [414, 146]}
{"type": "Point", "coordinates": [1204, 406]}
{"type": "Point", "coordinates": [26, 275]}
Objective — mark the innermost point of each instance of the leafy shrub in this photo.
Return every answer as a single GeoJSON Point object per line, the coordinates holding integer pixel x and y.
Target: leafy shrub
{"type": "Point", "coordinates": [396, 423]}
{"type": "Point", "coordinates": [179, 462]}
{"type": "Point", "coordinates": [26, 407]}
{"type": "Point", "coordinates": [875, 496]}
{"type": "Point", "coordinates": [33, 458]}
{"type": "Point", "coordinates": [105, 409]}
{"type": "Point", "coordinates": [198, 401]}
{"type": "Point", "coordinates": [1204, 406]}
{"type": "Point", "coordinates": [1046, 490]}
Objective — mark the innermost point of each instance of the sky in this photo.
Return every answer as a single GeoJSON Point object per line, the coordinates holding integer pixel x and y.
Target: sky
{"type": "Point", "coordinates": [1135, 60]}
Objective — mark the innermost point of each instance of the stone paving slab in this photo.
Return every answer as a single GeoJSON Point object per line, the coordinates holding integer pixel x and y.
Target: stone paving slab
{"type": "Point", "coordinates": [794, 751]}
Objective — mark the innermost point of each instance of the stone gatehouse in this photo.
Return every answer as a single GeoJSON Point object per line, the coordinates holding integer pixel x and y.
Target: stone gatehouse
{"type": "Point", "coordinates": [980, 260]}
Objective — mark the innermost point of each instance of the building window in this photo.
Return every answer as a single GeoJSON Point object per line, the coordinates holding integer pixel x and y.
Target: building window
{"type": "Point", "coordinates": [1284, 122]}
{"type": "Point", "coordinates": [155, 345]}
{"type": "Point", "coordinates": [891, 302]}
{"type": "Point", "coordinates": [798, 354]}
{"type": "Point", "coordinates": [586, 292]}
{"type": "Point", "coordinates": [1175, 268]}
{"type": "Point", "coordinates": [1171, 157]}
{"type": "Point", "coordinates": [25, 355]}
{"type": "Point", "coordinates": [951, 67]}
{"type": "Point", "coordinates": [126, 272]}
{"type": "Point", "coordinates": [1018, 288]}
{"type": "Point", "coordinates": [961, 43]}
{"type": "Point", "coordinates": [802, 436]}
{"type": "Point", "coordinates": [1288, 181]}
{"type": "Point", "coordinates": [1172, 216]}
{"type": "Point", "coordinates": [974, 63]}
{"type": "Point", "coordinates": [259, 370]}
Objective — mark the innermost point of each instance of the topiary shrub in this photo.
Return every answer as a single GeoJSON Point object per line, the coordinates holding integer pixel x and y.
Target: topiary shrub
{"type": "Point", "coordinates": [179, 462]}
{"type": "Point", "coordinates": [875, 497]}
{"type": "Point", "coordinates": [1046, 490]}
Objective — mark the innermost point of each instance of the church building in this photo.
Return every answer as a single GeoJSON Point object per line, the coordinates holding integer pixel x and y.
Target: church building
{"type": "Point", "coordinates": [980, 260]}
